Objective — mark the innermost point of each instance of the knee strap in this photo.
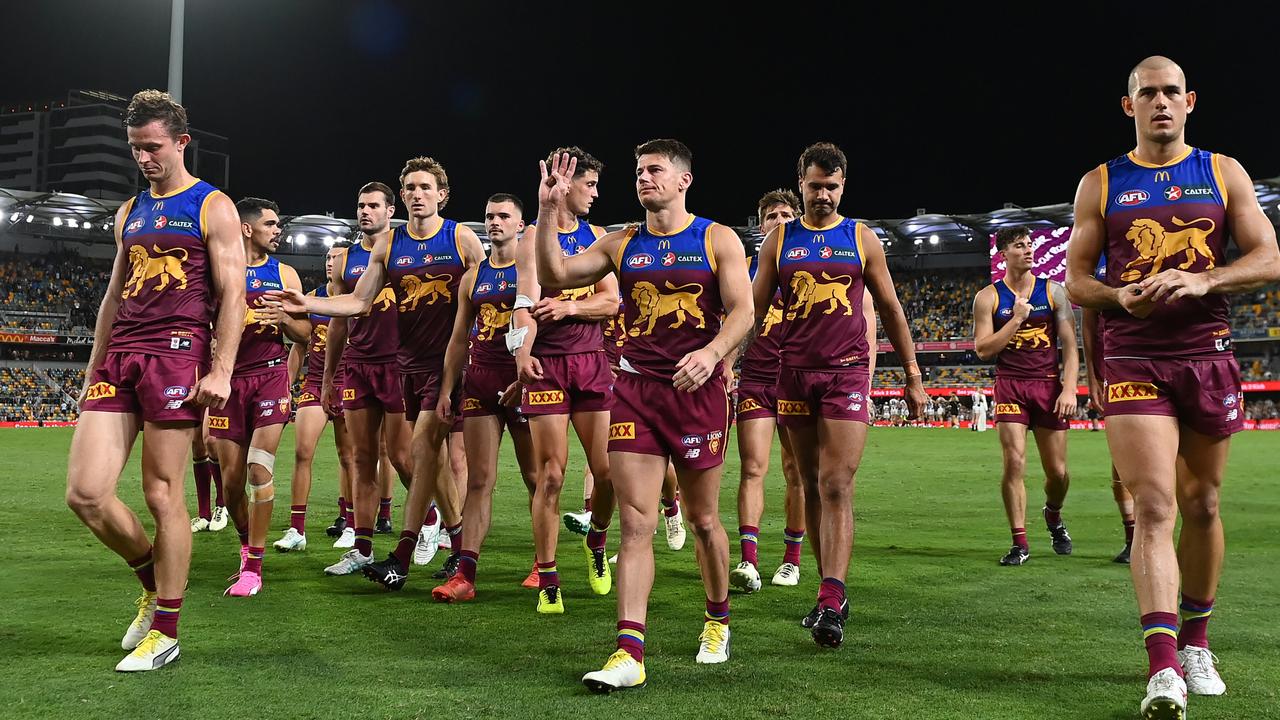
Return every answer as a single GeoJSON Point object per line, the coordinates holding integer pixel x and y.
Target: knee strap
{"type": "Point", "coordinates": [265, 492]}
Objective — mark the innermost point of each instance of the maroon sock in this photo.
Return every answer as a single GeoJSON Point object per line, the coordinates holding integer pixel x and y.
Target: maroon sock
{"type": "Point", "coordinates": [253, 563]}
{"type": "Point", "coordinates": [384, 508]}
{"type": "Point", "coordinates": [467, 561]}
{"type": "Point", "coordinates": [217, 482]}
{"type": "Point", "coordinates": [831, 594]}
{"type": "Point", "coordinates": [1020, 538]}
{"type": "Point", "coordinates": [204, 478]}
{"type": "Point", "coordinates": [717, 611]}
{"type": "Point", "coordinates": [1160, 631]}
{"type": "Point", "coordinates": [748, 535]}
{"type": "Point", "coordinates": [298, 518]}
{"type": "Point", "coordinates": [351, 516]}
{"type": "Point", "coordinates": [671, 507]}
{"type": "Point", "coordinates": [595, 537]}
{"type": "Point", "coordinates": [404, 548]}
{"type": "Point", "coordinates": [455, 536]}
{"type": "Point", "coordinates": [1128, 532]}
{"type": "Point", "coordinates": [1052, 515]}
{"type": "Point", "coordinates": [364, 541]}
{"type": "Point", "coordinates": [631, 639]}
{"type": "Point", "coordinates": [166, 619]}
{"type": "Point", "coordinates": [432, 515]}
{"type": "Point", "coordinates": [145, 568]}
{"type": "Point", "coordinates": [795, 541]}
{"type": "Point", "coordinates": [547, 574]}
{"type": "Point", "coordinates": [244, 537]}
{"type": "Point", "coordinates": [1195, 622]}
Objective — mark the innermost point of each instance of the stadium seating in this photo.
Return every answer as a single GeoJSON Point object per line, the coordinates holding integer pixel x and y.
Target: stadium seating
{"type": "Point", "coordinates": [27, 398]}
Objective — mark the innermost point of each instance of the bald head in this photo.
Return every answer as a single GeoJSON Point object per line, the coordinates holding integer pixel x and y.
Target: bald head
{"type": "Point", "coordinates": [1154, 63]}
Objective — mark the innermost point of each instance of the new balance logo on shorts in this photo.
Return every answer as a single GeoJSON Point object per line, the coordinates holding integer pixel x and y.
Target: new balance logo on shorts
{"type": "Point", "coordinates": [1008, 409]}
{"type": "Point", "coordinates": [546, 397]}
{"type": "Point", "coordinates": [622, 431]}
{"type": "Point", "coordinates": [793, 407]}
{"type": "Point", "coordinates": [1124, 391]}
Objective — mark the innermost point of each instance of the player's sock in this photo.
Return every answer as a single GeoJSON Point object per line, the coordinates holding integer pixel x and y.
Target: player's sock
{"type": "Point", "coordinates": [253, 563]}
{"type": "Point", "coordinates": [1020, 538]}
{"type": "Point", "coordinates": [1052, 514]}
{"type": "Point", "coordinates": [166, 618]}
{"type": "Point", "coordinates": [1128, 531]}
{"type": "Point", "coordinates": [298, 518]}
{"type": "Point", "coordinates": [467, 561]}
{"type": "Point", "coordinates": [216, 470]}
{"type": "Point", "coordinates": [384, 508]}
{"type": "Point", "coordinates": [404, 548]}
{"type": "Point", "coordinates": [631, 639]}
{"type": "Point", "coordinates": [547, 574]}
{"type": "Point", "coordinates": [351, 515]}
{"type": "Point", "coordinates": [718, 611]}
{"type": "Point", "coordinates": [1195, 622]}
{"type": "Point", "coordinates": [432, 515]}
{"type": "Point", "coordinates": [204, 479]}
{"type": "Point", "coordinates": [364, 541]}
{"type": "Point", "coordinates": [596, 537]}
{"type": "Point", "coordinates": [145, 568]}
{"type": "Point", "coordinates": [671, 508]}
{"type": "Point", "coordinates": [455, 536]}
{"type": "Point", "coordinates": [747, 537]}
{"type": "Point", "coordinates": [794, 540]}
{"type": "Point", "coordinates": [831, 594]}
{"type": "Point", "coordinates": [1160, 631]}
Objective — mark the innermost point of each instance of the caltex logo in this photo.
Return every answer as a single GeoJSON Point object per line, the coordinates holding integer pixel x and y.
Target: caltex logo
{"type": "Point", "coordinates": [1173, 192]}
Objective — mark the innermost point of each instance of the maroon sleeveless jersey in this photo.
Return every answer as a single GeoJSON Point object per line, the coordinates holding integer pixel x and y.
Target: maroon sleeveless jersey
{"type": "Point", "coordinates": [167, 305]}
{"type": "Point", "coordinates": [672, 303]}
{"type": "Point", "coordinates": [820, 275]}
{"type": "Point", "coordinates": [762, 360]}
{"type": "Point", "coordinates": [317, 344]}
{"type": "Point", "coordinates": [1032, 353]}
{"type": "Point", "coordinates": [261, 346]}
{"type": "Point", "coordinates": [425, 273]}
{"type": "Point", "coordinates": [373, 337]}
{"type": "Point", "coordinates": [570, 335]}
{"type": "Point", "coordinates": [494, 295]}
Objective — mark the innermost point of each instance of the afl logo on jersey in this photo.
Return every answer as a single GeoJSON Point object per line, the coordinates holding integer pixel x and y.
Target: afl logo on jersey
{"type": "Point", "coordinates": [639, 260]}
{"type": "Point", "coordinates": [404, 260]}
{"type": "Point", "coordinates": [134, 226]}
{"type": "Point", "coordinates": [1129, 198]}
{"type": "Point", "coordinates": [358, 269]}
{"type": "Point", "coordinates": [483, 288]}
{"type": "Point", "coordinates": [797, 253]}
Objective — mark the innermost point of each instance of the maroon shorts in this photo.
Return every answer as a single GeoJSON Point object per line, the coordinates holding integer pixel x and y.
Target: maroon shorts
{"type": "Point", "coordinates": [1204, 395]}
{"type": "Point", "coordinates": [422, 392]}
{"type": "Point", "coordinates": [757, 401]}
{"type": "Point", "coordinates": [653, 418]}
{"type": "Point", "coordinates": [1028, 402]}
{"type": "Point", "coordinates": [581, 382]}
{"type": "Point", "coordinates": [309, 396]}
{"type": "Point", "coordinates": [372, 384]}
{"type": "Point", "coordinates": [481, 388]}
{"type": "Point", "coordinates": [153, 386]}
{"type": "Point", "coordinates": [256, 401]}
{"type": "Point", "coordinates": [806, 395]}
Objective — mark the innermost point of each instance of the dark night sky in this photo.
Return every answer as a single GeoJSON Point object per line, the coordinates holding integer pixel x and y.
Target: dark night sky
{"type": "Point", "coordinates": [949, 111]}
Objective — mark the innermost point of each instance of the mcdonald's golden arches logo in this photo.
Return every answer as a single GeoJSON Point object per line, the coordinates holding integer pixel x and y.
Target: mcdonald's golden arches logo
{"type": "Point", "coordinates": [1163, 176]}
{"type": "Point", "coordinates": [664, 244]}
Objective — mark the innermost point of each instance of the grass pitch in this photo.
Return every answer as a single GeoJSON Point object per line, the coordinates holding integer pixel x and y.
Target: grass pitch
{"type": "Point", "coordinates": [937, 630]}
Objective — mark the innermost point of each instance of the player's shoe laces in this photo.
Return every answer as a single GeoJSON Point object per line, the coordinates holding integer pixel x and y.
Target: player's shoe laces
{"type": "Point", "coordinates": [141, 624]}
{"type": "Point", "coordinates": [199, 524]}
{"type": "Point", "coordinates": [382, 526]}
{"type": "Point", "coordinates": [1202, 677]}
{"type": "Point", "coordinates": [579, 523]}
{"type": "Point", "coordinates": [713, 643]}
{"type": "Point", "coordinates": [1123, 557]}
{"type": "Point", "coordinates": [599, 577]}
{"type": "Point", "coordinates": [675, 531]}
{"type": "Point", "coordinates": [428, 543]}
{"type": "Point", "coordinates": [1061, 538]}
{"type": "Point", "coordinates": [620, 671]}
{"type": "Point", "coordinates": [808, 621]}
{"type": "Point", "coordinates": [1017, 555]}
{"type": "Point", "coordinates": [745, 577]}
{"type": "Point", "coordinates": [244, 558]}
{"type": "Point", "coordinates": [346, 540]}
{"type": "Point", "coordinates": [389, 573]}
{"type": "Point", "coordinates": [155, 651]}
{"type": "Point", "coordinates": [828, 631]}
{"type": "Point", "coordinates": [450, 567]}
{"type": "Point", "coordinates": [456, 589]}
{"type": "Point", "coordinates": [337, 527]}
{"type": "Point", "coordinates": [550, 601]}
{"type": "Point", "coordinates": [292, 540]}
{"type": "Point", "coordinates": [219, 519]}
{"type": "Point", "coordinates": [247, 585]}
{"type": "Point", "coordinates": [1166, 697]}
{"type": "Point", "coordinates": [788, 574]}
{"type": "Point", "coordinates": [350, 562]}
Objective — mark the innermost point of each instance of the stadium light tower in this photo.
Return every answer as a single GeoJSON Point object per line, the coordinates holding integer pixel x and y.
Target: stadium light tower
{"type": "Point", "coordinates": [175, 50]}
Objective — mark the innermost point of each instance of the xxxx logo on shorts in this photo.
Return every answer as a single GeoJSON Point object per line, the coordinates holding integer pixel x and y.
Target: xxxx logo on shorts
{"type": "Point", "coordinates": [1124, 391]}
{"type": "Point", "coordinates": [793, 407]}
{"type": "Point", "coordinates": [307, 397]}
{"type": "Point", "coordinates": [470, 404]}
{"type": "Point", "coordinates": [219, 423]}
{"type": "Point", "coordinates": [546, 397]}
{"type": "Point", "coordinates": [348, 393]}
{"type": "Point", "coordinates": [748, 405]}
{"type": "Point", "coordinates": [622, 431]}
{"type": "Point", "coordinates": [100, 390]}
{"type": "Point", "coordinates": [1008, 409]}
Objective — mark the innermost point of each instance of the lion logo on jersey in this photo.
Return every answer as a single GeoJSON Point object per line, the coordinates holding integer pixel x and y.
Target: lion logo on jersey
{"type": "Point", "coordinates": [386, 299]}
{"type": "Point", "coordinates": [651, 305]}
{"type": "Point", "coordinates": [809, 292]}
{"type": "Point", "coordinates": [430, 288]}
{"type": "Point", "coordinates": [166, 267]}
{"type": "Point", "coordinates": [1155, 245]}
{"type": "Point", "coordinates": [771, 318]}
{"type": "Point", "coordinates": [322, 336]}
{"type": "Point", "coordinates": [576, 294]}
{"type": "Point", "coordinates": [251, 316]}
{"type": "Point", "coordinates": [1032, 338]}
{"type": "Point", "coordinates": [492, 320]}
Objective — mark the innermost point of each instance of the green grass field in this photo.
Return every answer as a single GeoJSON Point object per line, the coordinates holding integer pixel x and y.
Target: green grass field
{"type": "Point", "coordinates": [938, 630]}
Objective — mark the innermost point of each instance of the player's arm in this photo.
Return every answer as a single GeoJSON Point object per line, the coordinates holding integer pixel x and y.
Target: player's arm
{"type": "Point", "coordinates": [1065, 320]}
{"type": "Point", "coordinates": [1089, 333]}
{"type": "Point", "coordinates": [296, 326]}
{"type": "Point", "coordinates": [524, 327]}
{"type": "Point", "coordinates": [601, 305]}
{"type": "Point", "coordinates": [766, 280]}
{"type": "Point", "coordinates": [227, 261]}
{"type": "Point", "coordinates": [455, 353]}
{"type": "Point", "coordinates": [987, 343]}
{"type": "Point", "coordinates": [555, 270]}
{"type": "Point", "coordinates": [297, 356]}
{"type": "Point", "coordinates": [697, 367]}
{"type": "Point", "coordinates": [348, 304]}
{"type": "Point", "coordinates": [110, 303]}
{"type": "Point", "coordinates": [875, 272]}
{"type": "Point", "coordinates": [335, 344]}
{"type": "Point", "coordinates": [472, 248]}
{"type": "Point", "coordinates": [1088, 237]}
{"type": "Point", "coordinates": [1259, 261]}
{"type": "Point", "coordinates": [869, 315]}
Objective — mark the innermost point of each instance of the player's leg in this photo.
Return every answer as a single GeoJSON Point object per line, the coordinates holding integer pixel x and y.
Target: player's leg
{"type": "Point", "coordinates": [308, 426]}
{"type": "Point", "coordinates": [701, 491]}
{"type": "Point", "coordinates": [522, 443]}
{"type": "Point", "coordinates": [671, 515]}
{"type": "Point", "coordinates": [483, 435]}
{"type": "Point", "coordinates": [550, 455]}
{"type": "Point", "coordinates": [364, 426]}
{"type": "Point", "coordinates": [260, 460]}
{"type": "Point", "coordinates": [202, 471]}
{"type": "Point", "coordinates": [788, 573]}
{"type": "Point", "coordinates": [755, 442]}
{"type": "Point", "coordinates": [344, 526]}
{"type": "Point", "coordinates": [1202, 460]}
{"type": "Point", "coordinates": [427, 444]}
{"type": "Point", "coordinates": [458, 469]}
{"type": "Point", "coordinates": [1052, 445]}
{"type": "Point", "coordinates": [592, 429]}
{"type": "Point", "coordinates": [1013, 491]}
{"type": "Point", "coordinates": [1124, 503]}
{"type": "Point", "coordinates": [840, 446]}
{"type": "Point", "coordinates": [231, 456]}
{"type": "Point", "coordinates": [386, 484]}
{"type": "Point", "coordinates": [218, 521]}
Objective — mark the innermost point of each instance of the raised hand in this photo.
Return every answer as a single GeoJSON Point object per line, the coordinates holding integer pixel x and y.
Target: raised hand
{"type": "Point", "coordinates": [556, 180]}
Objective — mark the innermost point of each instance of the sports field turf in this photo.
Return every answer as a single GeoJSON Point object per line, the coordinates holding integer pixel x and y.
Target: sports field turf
{"type": "Point", "coordinates": [938, 630]}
